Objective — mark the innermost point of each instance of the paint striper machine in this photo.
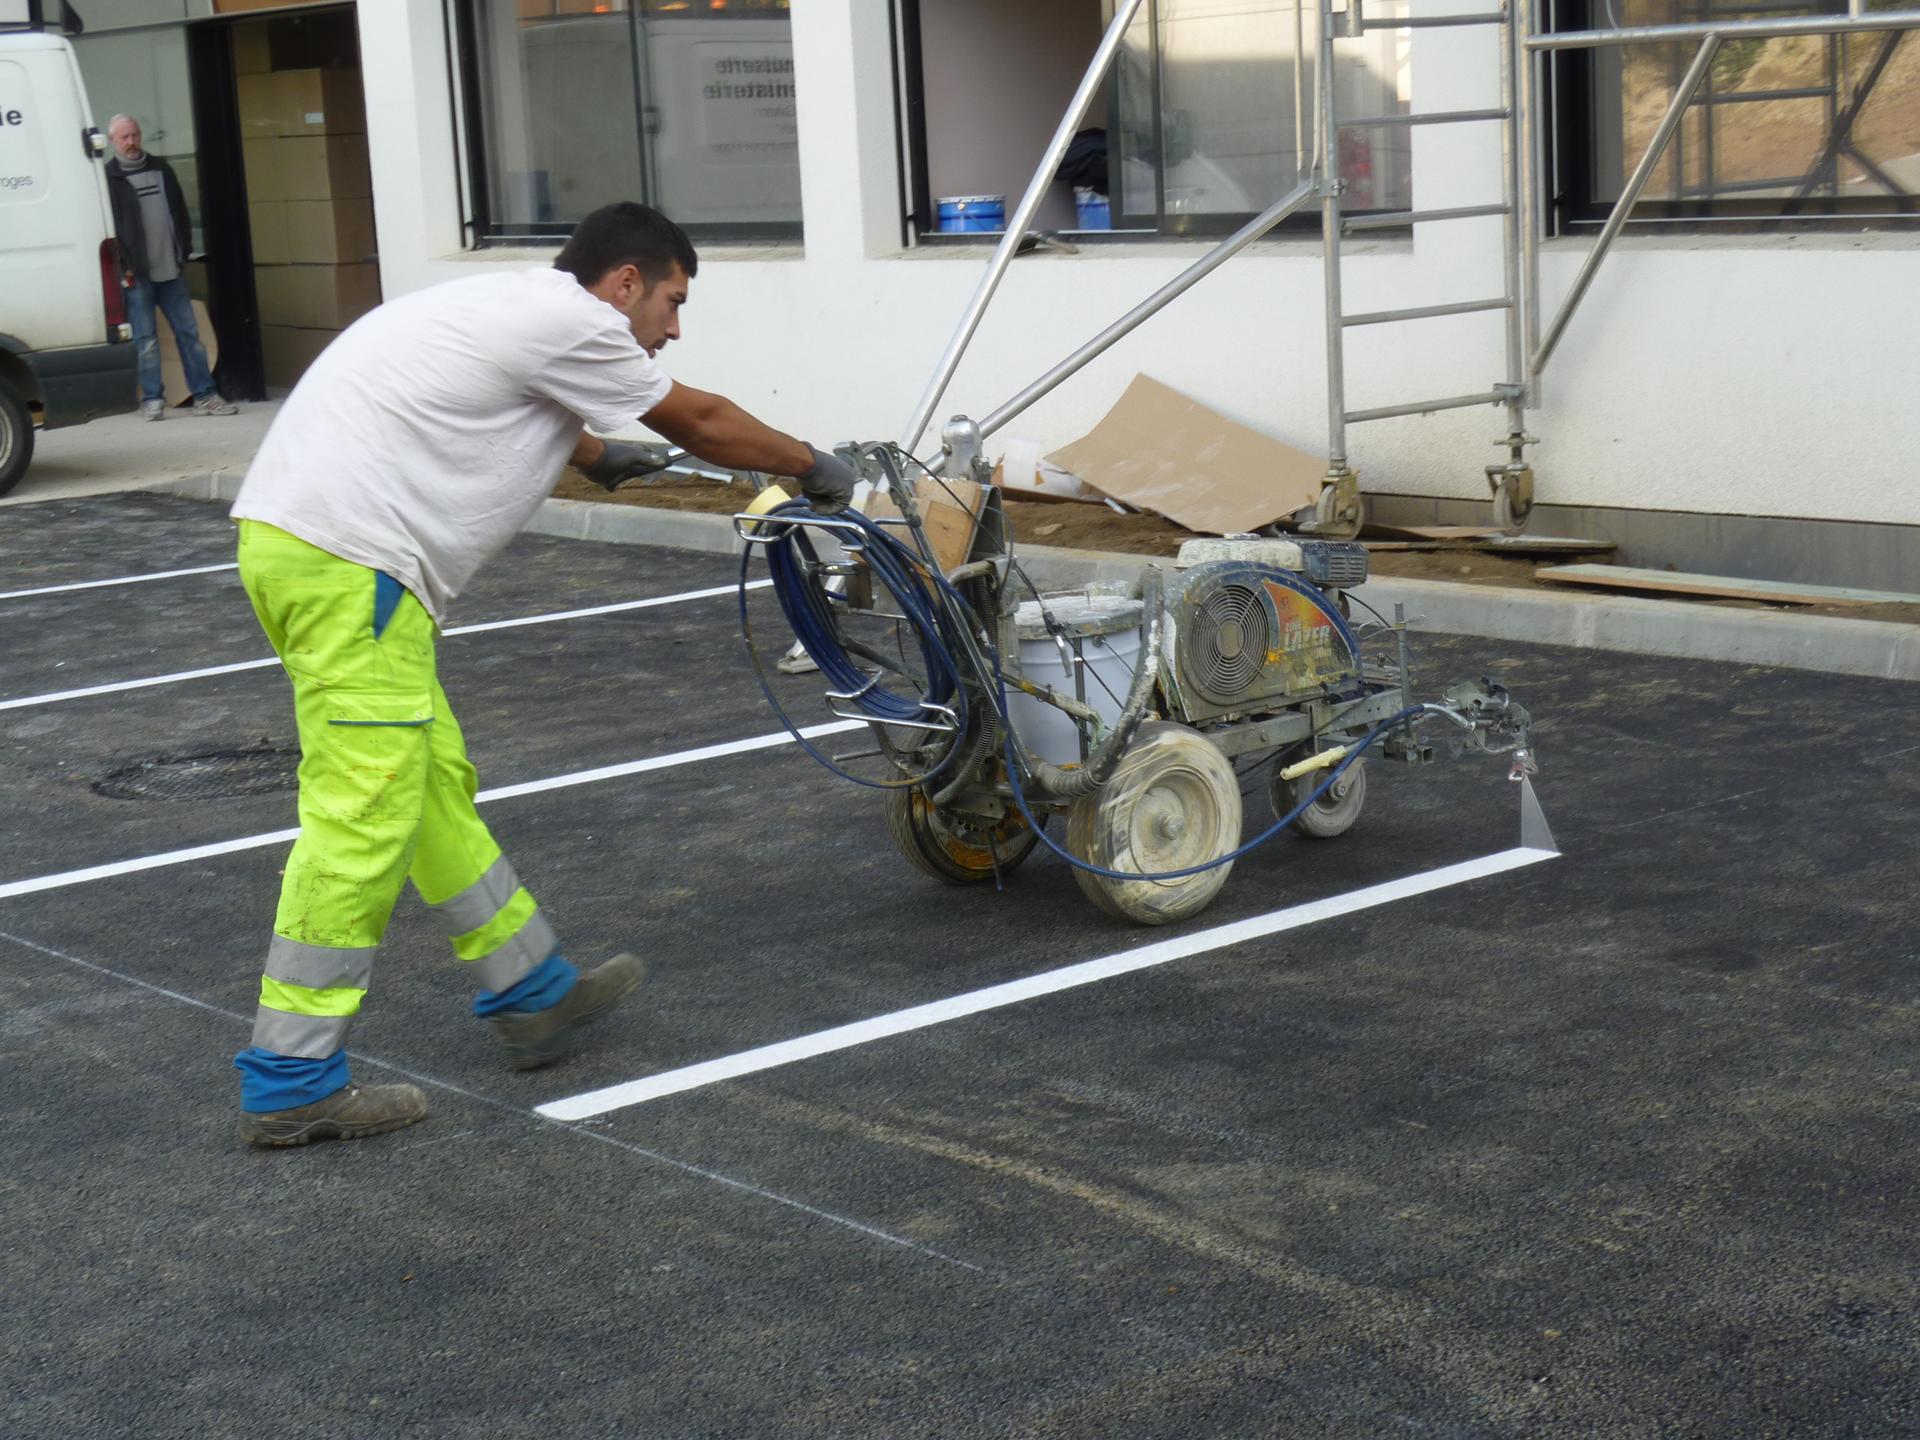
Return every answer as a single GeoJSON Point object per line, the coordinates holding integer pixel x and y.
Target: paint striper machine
{"type": "Point", "coordinates": [1134, 713]}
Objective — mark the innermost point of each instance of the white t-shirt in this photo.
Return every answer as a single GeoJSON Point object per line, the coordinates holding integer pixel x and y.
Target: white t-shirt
{"type": "Point", "coordinates": [426, 436]}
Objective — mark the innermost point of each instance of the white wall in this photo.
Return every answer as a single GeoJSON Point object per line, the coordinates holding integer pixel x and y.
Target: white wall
{"type": "Point", "coordinates": [1762, 375]}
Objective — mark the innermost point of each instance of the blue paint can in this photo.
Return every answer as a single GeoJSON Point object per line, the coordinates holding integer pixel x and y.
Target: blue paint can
{"type": "Point", "coordinates": [1095, 213]}
{"type": "Point", "coordinates": [961, 214]}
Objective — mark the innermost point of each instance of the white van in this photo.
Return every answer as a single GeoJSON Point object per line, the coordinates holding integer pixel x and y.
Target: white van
{"type": "Point", "coordinates": [66, 352]}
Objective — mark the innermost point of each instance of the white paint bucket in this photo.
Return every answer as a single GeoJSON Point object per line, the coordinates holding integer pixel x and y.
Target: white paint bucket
{"type": "Point", "coordinates": [1103, 635]}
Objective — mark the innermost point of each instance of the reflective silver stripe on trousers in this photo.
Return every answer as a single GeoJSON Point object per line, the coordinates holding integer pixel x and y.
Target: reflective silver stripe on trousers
{"type": "Point", "coordinates": [480, 901]}
{"type": "Point", "coordinates": [513, 961]}
{"type": "Point", "coordinates": [319, 967]}
{"type": "Point", "coordinates": [311, 1037]}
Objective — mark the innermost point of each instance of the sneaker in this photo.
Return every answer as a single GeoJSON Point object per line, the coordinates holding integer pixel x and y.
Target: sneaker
{"type": "Point", "coordinates": [350, 1114]}
{"type": "Point", "coordinates": [796, 662]}
{"type": "Point", "coordinates": [214, 403]}
{"type": "Point", "coordinates": [540, 1038]}
{"type": "Point", "coordinates": [154, 409]}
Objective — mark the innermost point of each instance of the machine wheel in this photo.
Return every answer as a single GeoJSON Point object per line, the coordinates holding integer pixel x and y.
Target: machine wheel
{"type": "Point", "coordinates": [16, 437]}
{"type": "Point", "coordinates": [1334, 813]}
{"type": "Point", "coordinates": [956, 848]}
{"type": "Point", "coordinates": [1173, 801]}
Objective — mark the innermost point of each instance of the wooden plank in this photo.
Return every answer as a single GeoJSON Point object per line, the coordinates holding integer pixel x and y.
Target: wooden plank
{"type": "Point", "coordinates": [1729, 587]}
{"type": "Point", "coordinates": [949, 510]}
{"type": "Point", "coordinates": [1374, 530]}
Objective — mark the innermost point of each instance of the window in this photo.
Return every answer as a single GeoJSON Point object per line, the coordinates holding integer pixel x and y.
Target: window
{"type": "Point", "coordinates": [1806, 127]}
{"type": "Point", "coordinates": [1206, 113]}
{"type": "Point", "coordinates": [1196, 132]}
{"type": "Point", "coordinates": [685, 104]}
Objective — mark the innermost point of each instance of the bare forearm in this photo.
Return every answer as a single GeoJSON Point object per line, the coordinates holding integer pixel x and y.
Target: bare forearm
{"type": "Point", "coordinates": [586, 450]}
{"type": "Point", "coordinates": [720, 431]}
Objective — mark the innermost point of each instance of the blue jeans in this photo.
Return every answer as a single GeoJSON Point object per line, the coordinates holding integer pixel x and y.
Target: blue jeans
{"type": "Point", "coordinates": [173, 298]}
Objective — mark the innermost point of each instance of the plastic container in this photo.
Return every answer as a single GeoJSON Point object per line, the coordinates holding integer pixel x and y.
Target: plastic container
{"type": "Point", "coordinates": [1095, 212]}
{"type": "Point", "coordinates": [964, 214]}
{"type": "Point", "coordinates": [1103, 632]}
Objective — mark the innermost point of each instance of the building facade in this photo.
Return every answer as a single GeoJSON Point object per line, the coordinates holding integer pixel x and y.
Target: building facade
{"type": "Point", "coordinates": [1736, 390]}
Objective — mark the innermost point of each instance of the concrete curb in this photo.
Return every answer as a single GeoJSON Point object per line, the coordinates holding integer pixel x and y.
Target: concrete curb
{"type": "Point", "coordinates": [1877, 648]}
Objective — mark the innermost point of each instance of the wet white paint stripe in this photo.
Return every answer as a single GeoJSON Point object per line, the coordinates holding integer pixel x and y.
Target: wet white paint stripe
{"type": "Point", "coordinates": [938, 1012]}
{"type": "Point", "coordinates": [174, 679]}
{"type": "Point", "coordinates": [117, 580]}
{"type": "Point", "coordinates": [504, 792]}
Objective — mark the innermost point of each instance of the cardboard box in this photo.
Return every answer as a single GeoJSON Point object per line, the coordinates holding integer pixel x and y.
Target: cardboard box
{"type": "Point", "coordinates": [949, 511]}
{"type": "Point", "coordinates": [1157, 450]}
{"type": "Point", "coordinates": [287, 351]}
{"type": "Point", "coordinates": [322, 167]}
{"type": "Point", "coordinates": [252, 52]}
{"type": "Point", "coordinates": [329, 232]}
{"type": "Point", "coordinates": [260, 105]}
{"type": "Point", "coordinates": [321, 102]}
{"type": "Point", "coordinates": [267, 226]}
{"type": "Point", "coordinates": [266, 181]}
{"type": "Point", "coordinates": [315, 297]}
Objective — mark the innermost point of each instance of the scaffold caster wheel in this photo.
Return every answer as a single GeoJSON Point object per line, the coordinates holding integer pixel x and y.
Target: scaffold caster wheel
{"type": "Point", "coordinates": [1339, 511]}
{"type": "Point", "coordinates": [1172, 802]}
{"type": "Point", "coordinates": [956, 848]}
{"type": "Point", "coordinates": [1334, 813]}
{"type": "Point", "coordinates": [1512, 498]}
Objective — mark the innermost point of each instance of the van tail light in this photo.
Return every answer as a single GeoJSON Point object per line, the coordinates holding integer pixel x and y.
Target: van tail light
{"type": "Point", "coordinates": [112, 293]}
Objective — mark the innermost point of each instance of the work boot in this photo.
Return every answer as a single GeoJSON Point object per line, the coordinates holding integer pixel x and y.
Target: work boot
{"type": "Point", "coordinates": [543, 1036]}
{"type": "Point", "coordinates": [349, 1114]}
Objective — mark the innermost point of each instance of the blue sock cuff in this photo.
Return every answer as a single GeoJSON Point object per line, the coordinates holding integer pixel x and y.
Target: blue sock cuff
{"type": "Point", "coordinates": [282, 1082]}
{"type": "Point", "coordinates": [541, 988]}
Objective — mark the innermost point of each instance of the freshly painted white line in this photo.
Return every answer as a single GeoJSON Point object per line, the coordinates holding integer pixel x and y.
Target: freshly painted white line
{"type": "Point", "coordinates": [117, 580]}
{"type": "Point", "coordinates": [862, 1032]}
{"type": "Point", "coordinates": [505, 792]}
{"type": "Point", "coordinates": [548, 619]}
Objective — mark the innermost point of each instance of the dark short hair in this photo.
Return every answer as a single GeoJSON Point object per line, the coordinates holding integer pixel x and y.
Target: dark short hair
{"type": "Point", "coordinates": [627, 233]}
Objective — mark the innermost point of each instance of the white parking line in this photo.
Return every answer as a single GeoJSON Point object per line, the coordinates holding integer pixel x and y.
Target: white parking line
{"type": "Point", "coordinates": [117, 580]}
{"type": "Point", "coordinates": [938, 1012]}
{"type": "Point", "coordinates": [504, 792]}
{"type": "Point", "coordinates": [174, 679]}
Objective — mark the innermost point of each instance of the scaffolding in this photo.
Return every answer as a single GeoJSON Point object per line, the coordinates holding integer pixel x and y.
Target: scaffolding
{"type": "Point", "coordinates": [1523, 45]}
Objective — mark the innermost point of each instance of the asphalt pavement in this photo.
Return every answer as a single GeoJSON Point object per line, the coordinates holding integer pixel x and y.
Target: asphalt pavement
{"type": "Point", "coordinates": [1621, 1143]}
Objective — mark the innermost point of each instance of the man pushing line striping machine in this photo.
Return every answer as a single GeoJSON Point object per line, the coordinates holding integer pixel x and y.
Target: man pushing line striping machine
{"type": "Point", "coordinates": [1125, 713]}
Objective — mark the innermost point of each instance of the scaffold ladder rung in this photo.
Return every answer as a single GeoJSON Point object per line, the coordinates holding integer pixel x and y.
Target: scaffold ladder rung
{"type": "Point", "coordinates": [1427, 312]}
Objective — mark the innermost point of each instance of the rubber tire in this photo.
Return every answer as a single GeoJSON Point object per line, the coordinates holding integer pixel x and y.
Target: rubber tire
{"type": "Point", "coordinates": [934, 850]}
{"type": "Point", "coordinates": [1104, 827]}
{"type": "Point", "coordinates": [16, 437]}
{"type": "Point", "coordinates": [1328, 816]}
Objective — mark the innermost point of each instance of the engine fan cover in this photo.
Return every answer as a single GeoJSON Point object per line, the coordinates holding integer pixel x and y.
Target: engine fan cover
{"type": "Point", "coordinates": [1245, 635]}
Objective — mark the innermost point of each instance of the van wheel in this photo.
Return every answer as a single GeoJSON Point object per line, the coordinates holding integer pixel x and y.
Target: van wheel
{"type": "Point", "coordinates": [16, 437]}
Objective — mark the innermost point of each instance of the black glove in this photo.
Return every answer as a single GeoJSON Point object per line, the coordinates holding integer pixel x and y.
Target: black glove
{"type": "Point", "coordinates": [619, 464]}
{"type": "Point", "coordinates": [828, 486]}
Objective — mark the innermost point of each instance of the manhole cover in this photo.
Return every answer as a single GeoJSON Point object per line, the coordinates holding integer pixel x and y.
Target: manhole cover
{"type": "Point", "coordinates": [213, 775]}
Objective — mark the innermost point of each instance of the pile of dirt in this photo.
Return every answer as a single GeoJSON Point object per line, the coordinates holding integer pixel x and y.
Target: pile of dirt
{"type": "Point", "coordinates": [1095, 527]}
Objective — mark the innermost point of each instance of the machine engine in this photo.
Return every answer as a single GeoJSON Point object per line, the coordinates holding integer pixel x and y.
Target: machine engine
{"type": "Point", "coordinates": [1251, 630]}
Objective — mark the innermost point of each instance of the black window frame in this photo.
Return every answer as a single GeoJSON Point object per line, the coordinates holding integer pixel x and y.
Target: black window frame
{"type": "Point", "coordinates": [1576, 206]}
{"type": "Point", "coordinates": [486, 233]}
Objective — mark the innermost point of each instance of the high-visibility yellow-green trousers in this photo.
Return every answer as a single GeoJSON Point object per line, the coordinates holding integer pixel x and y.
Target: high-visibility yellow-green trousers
{"type": "Point", "coordinates": [386, 796]}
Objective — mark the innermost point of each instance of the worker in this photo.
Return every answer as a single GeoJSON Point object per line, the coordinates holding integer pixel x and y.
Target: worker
{"type": "Point", "coordinates": [416, 446]}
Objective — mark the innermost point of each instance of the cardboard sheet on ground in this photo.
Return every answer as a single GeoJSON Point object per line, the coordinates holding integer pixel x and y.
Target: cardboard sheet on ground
{"type": "Point", "coordinates": [1157, 450]}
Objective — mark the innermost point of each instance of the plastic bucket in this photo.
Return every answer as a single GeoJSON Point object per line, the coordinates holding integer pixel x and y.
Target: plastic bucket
{"type": "Point", "coordinates": [1103, 633]}
{"type": "Point", "coordinates": [1095, 213]}
{"type": "Point", "coordinates": [960, 214]}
